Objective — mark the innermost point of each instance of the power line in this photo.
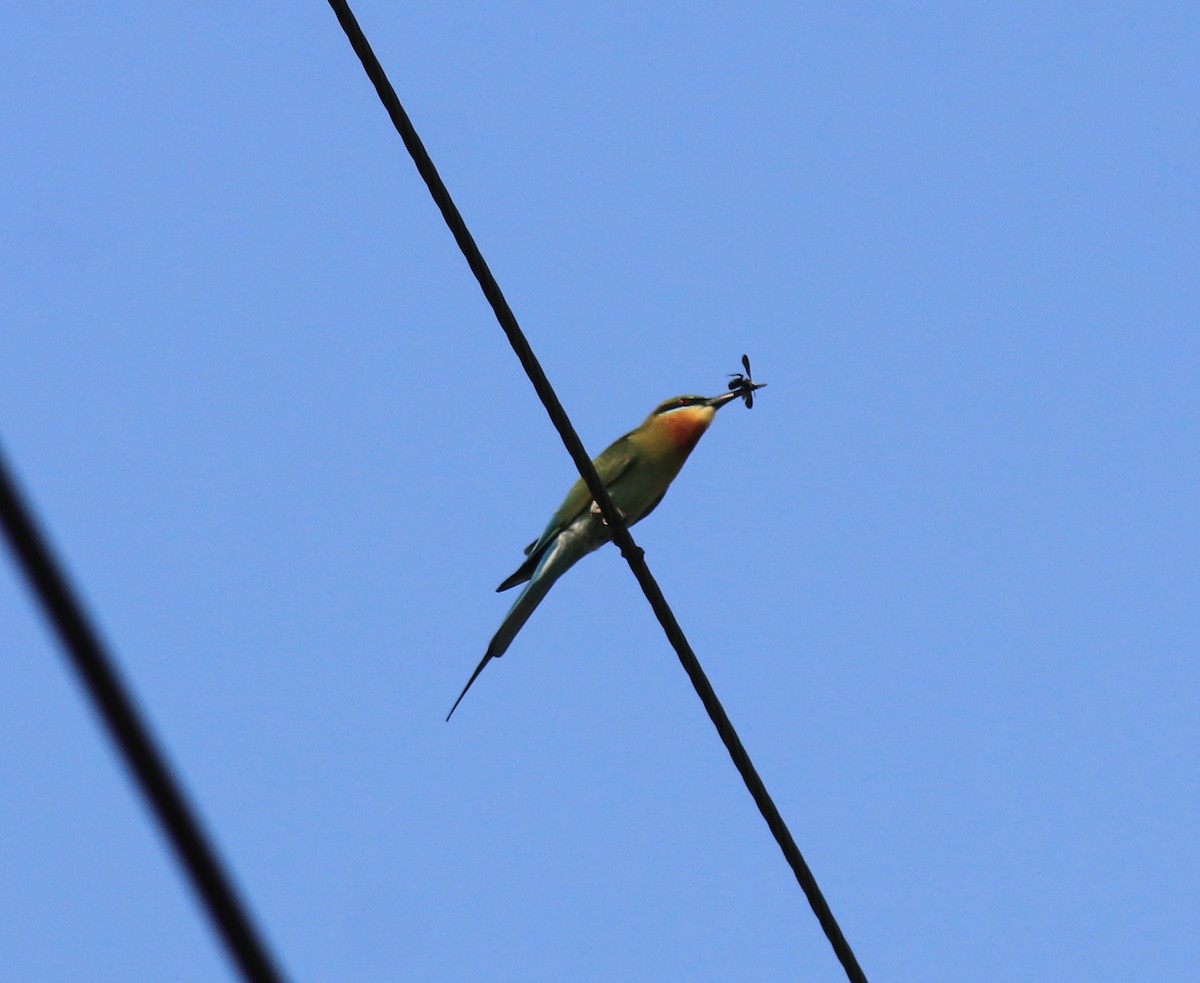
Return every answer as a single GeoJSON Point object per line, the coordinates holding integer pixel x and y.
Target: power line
{"type": "Point", "coordinates": [629, 549]}
{"type": "Point", "coordinates": [126, 729]}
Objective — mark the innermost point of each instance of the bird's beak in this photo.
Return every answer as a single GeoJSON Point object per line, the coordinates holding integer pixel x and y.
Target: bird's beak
{"type": "Point", "coordinates": [718, 401]}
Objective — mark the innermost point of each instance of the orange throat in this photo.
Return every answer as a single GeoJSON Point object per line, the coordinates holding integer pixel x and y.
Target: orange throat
{"type": "Point", "coordinates": [685, 427]}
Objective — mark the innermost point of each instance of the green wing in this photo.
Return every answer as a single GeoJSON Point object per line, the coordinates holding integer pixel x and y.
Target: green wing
{"type": "Point", "coordinates": [610, 465]}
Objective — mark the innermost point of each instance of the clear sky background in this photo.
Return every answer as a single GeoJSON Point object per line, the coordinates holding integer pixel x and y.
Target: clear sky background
{"type": "Point", "coordinates": [944, 575]}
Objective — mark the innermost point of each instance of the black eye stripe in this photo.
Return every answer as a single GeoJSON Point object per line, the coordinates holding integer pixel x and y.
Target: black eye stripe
{"type": "Point", "coordinates": [679, 402]}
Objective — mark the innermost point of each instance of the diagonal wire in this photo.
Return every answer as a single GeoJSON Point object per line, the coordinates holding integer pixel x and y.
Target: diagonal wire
{"type": "Point", "coordinates": [629, 549]}
{"type": "Point", "coordinates": [87, 655]}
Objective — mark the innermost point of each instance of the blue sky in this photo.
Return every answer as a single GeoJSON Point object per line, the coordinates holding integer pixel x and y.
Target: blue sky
{"type": "Point", "coordinates": [943, 576]}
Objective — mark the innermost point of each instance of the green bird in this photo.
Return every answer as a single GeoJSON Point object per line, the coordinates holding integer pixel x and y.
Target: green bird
{"type": "Point", "coordinates": [636, 469]}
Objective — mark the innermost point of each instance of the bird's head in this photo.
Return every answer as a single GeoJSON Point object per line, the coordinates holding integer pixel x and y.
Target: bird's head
{"type": "Point", "coordinates": [682, 420]}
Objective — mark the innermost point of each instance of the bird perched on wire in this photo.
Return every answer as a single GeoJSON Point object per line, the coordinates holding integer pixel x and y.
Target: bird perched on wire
{"type": "Point", "coordinates": [636, 469]}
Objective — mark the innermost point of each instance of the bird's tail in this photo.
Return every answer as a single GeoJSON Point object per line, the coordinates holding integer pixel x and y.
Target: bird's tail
{"type": "Point", "coordinates": [562, 554]}
{"type": "Point", "coordinates": [518, 614]}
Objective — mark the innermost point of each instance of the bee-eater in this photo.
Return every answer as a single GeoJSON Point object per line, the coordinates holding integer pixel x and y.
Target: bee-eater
{"type": "Point", "coordinates": [636, 469]}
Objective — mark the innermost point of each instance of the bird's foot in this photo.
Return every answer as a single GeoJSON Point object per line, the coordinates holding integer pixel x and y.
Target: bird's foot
{"type": "Point", "coordinates": [595, 510]}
